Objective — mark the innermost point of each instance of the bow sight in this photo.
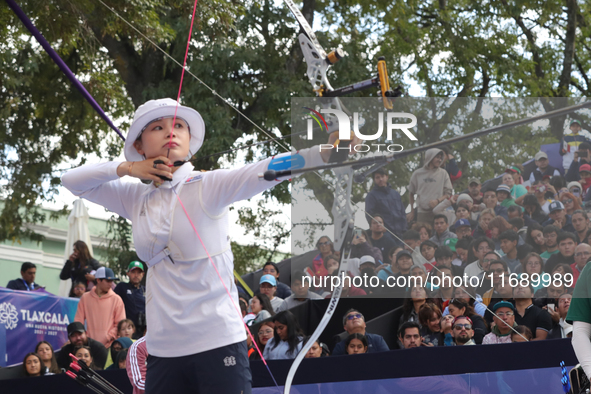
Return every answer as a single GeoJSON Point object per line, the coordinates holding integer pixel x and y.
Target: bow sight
{"type": "Point", "coordinates": [323, 88]}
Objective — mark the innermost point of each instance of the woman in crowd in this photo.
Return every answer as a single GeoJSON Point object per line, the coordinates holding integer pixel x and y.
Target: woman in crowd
{"type": "Point", "coordinates": [518, 191]}
{"type": "Point", "coordinates": [260, 305]}
{"type": "Point", "coordinates": [356, 344]}
{"type": "Point", "coordinates": [482, 230]}
{"type": "Point", "coordinates": [287, 338]}
{"type": "Point", "coordinates": [533, 209]}
{"type": "Point", "coordinates": [497, 226]}
{"type": "Point", "coordinates": [424, 229]}
{"type": "Point", "coordinates": [429, 318]}
{"type": "Point", "coordinates": [565, 270]}
{"type": "Point", "coordinates": [420, 271]}
{"type": "Point", "coordinates": [264, 334]}
{"type": "Point", "coordinates": [459, 307]}
{"type": "Point", "coordinates": [33, 365]}
{"type": "Point", "coordinates": [446, 324]}
{"type": "Point", "coordinates": [416, 296]}
{"type": "Point", "coordinates": [535, 238]}
{"type": "Point", "coordinates": [468, 294]}
{"type": "Point", "coordinates": [83, 354]}
{"type": "Point", "coordinates": [361, 246]}
{"type": "Point", "coordinates": [533, 264]}
{"type": "Point", "coordinates": [570, 202]}
{"type": "Point", "coordinates": [331, 263]}
{"type": "Point", "coordinates": [326, 248]}
{"type": "Point", "coordinates": [79, 265]}
{"type": "Point", "coordinates": [45, 351]}
{"type": "Point", "coordinates": [462, 212]}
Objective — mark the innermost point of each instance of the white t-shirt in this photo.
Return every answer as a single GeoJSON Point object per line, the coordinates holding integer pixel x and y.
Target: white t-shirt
{"type": "Point", "coordinates": [188, 310]}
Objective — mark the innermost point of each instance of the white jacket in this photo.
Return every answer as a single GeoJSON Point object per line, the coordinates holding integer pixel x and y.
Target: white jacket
{"type": "Point", "coordinates": [188, 310]}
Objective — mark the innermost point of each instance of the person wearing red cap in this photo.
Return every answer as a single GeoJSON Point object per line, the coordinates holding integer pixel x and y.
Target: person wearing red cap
{"type": "Point", "coordinates": [585, 174]}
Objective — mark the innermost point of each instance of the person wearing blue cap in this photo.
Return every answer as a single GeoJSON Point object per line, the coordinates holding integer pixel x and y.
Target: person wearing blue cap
{"type": "Point", "coordinates": [559, 217]}
{"type": "Point", "coordinates": [101, 308]}
{"type": "Point", "coordinates": [463, 228]}
{"type": "Point", "coordinates": [504, 318]}
{"type": "Point", "coordinates": [268, 286]}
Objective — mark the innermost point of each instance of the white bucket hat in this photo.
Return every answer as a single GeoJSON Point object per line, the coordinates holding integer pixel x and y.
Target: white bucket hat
{"type": "Point", "coordinates": [163, 108]}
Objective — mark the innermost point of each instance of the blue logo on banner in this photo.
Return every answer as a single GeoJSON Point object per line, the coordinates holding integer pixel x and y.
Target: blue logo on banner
{"type": "Point", "coordinates": [28, 317]}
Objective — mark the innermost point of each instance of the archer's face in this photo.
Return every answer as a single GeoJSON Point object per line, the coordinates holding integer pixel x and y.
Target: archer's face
{"type": "Point", "coordinates": [156, 140]}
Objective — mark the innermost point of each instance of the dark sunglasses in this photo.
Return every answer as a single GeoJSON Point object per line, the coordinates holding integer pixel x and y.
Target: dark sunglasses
{"type": "Point", "coordinates": [355, 316]}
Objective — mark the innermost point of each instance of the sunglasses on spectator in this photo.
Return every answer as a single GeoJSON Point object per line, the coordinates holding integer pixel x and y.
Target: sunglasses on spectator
{"type": "Point", "coordinates": [460, 326]}
{"type": "Point", "coordinates": [266, 332]}
{"type": "Point", "coordinates": [355, 316]}
{"type": "Point", "coordinates": [581, 254]}
{"type": "Point", "coordinates": [323, 243]}
{"type": "Point", "coordinates": [567, 201]}
{"type": "Point", "coordinates": [505, 314]}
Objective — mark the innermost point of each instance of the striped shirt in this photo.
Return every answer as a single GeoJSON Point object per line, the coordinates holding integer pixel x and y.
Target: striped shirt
{"type": "Point", "coordinates": [137, 357]}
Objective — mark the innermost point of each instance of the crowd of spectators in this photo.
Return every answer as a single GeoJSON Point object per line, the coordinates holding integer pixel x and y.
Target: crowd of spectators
{"type": "Point", "coordinates": [529, 230]}
{"type": "Point", "coordinates": [533, 231]}
{"type": "Point", "coordinates": [109, 318]}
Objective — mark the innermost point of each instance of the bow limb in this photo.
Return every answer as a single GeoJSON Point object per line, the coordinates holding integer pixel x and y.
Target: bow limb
{"type": "Point", "coordinates": [344, 224]}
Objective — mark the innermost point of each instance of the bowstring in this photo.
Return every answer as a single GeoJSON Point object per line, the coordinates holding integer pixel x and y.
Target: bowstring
{"type": "Point", "coordinates": [268, 134]}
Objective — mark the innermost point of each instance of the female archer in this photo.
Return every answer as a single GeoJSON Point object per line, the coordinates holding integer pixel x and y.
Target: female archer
{"type": "Point", "coordinates": [196, 338]}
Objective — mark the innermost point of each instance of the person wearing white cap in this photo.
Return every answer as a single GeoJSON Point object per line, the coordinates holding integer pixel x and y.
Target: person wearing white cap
{"type": "Point", "coordinates": [543, 168]}
{"type": "Point", "coordinates": [185, 298]}
{"type": "Point", "coordinates": [268, 287]}
{"type": "Point", "coordinates": [449, 206]}
{"type": "Point", "coordinates": [576, 189]}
